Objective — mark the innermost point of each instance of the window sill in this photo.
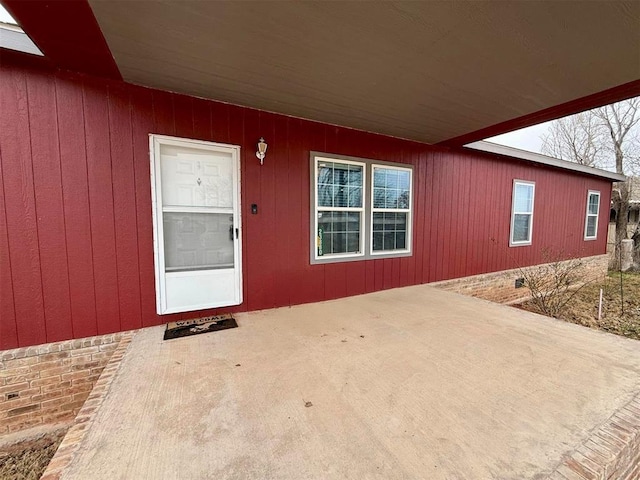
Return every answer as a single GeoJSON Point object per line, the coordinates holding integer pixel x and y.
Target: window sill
{"type": "Point", "coordinates": [520, 244]}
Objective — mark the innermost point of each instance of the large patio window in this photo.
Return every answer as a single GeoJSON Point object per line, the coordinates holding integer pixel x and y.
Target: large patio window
{"type": "Point", "coordinates": [349, 223]}
{"type": "Point", "coordinates": [591, 220]}
{"type": "Point", "coordinates": [522, 213]}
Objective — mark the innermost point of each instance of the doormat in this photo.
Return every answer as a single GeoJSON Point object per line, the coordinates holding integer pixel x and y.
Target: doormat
{"type": "Point", "coordinates": [195, 326]}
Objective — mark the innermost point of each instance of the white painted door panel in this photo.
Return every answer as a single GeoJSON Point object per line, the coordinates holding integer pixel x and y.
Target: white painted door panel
{"type": "Point", "coordinates": [187, 288]}
{"type": "Point", "coordinates": [196, 179]}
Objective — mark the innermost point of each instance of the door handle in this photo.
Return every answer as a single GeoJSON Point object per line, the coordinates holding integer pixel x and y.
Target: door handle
{"type": "Point", "coordinates": [237, 232]}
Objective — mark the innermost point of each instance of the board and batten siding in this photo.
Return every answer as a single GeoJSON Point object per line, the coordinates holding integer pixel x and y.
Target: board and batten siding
{"type": "Point", "coordinates": [76, 244]}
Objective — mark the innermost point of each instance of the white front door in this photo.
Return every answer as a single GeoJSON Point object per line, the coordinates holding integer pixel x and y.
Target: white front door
{"type": "Point", "coordinates": [196, 213]}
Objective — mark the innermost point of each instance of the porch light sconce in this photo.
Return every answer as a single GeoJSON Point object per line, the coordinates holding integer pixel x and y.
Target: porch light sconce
{"type": "Point", "coordinates": [262, 150]}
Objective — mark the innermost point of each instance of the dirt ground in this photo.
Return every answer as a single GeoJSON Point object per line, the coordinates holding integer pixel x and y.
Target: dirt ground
{"type": "Point", "coordinates": [583, 307]}
{"type": "Point", "coordinates": [28, 459]}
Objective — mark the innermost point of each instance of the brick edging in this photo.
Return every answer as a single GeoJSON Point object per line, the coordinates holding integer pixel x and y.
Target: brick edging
{"type": "Point", "coordinates": [67, 449]}
{"type": "Point", "coordinates": [500, 287]}
{"type": "Point", "coordinates": [612, 451]}
{"type": "Point", "coordinates": [46, 384]}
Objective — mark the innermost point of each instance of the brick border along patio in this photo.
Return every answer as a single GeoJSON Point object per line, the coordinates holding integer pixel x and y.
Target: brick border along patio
{"type": "Point", "coordinates": [72, 440]}
{"type": "Point", "coordinates": [48, 384]}
{"type": "Point", "coordinates": [612, 452]}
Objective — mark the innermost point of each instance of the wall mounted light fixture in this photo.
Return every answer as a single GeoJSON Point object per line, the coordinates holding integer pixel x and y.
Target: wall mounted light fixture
{"type": "Point", "coordinates": [262, 150]}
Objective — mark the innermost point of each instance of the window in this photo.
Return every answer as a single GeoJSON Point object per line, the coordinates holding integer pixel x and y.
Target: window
{"type": "Point", "coordinates": [391, 213]}
{"type": "Point", "coordinates": [339, 207]}
{"type": "Point", "coordinates": [591, 220]}
{"type": "Point", "coordinates": [360, 209]}
{"type": "Point", "coordinates": [522, 213]}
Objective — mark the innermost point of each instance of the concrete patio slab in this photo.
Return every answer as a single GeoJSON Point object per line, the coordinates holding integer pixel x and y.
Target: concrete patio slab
{"type": "Point", "coordinates": [409, 383]}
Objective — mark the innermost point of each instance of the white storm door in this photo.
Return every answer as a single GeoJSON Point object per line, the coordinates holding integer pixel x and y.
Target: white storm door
{"type": "Point", "coordinates": [196, 213]}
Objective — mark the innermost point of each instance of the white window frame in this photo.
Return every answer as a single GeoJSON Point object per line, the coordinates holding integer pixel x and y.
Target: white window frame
{"type": "Point", "coordinates": [529, 241]}
{"type": "Point", "coordinates": [317, 208]}
{"type": "Point", "coordinates": [366, 224]}
{"type": "Point", "coordinates": [587, 215]}
{"type": "Point", "coordinates": [408, 211]}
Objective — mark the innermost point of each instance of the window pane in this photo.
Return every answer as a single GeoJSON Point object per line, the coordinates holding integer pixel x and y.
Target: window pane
{"type": "Point", "coordinates": [388, 241]}
{"type": "Point", "coordinates": [593, 203]}
{"type": "Point", "coordinates": [325, 172]}
{"type": "Point", "coordinates": [339, 196]}
{"type": "Point", "coordinates": [198, 241]}
{"type": "Point", "coordinates": [353, 242]}
{"type": "Point", "coordinates": [591, 226]}
{"type": "Point", "coordinates": [521, 227]}
{"type": "Point", "coordinates": [378, 222]}
{"type": "Point", "coordinates": [355, 197]}
{"type": "Point", "coordinates": [391, 178]}
{"type": "Point", "coordinates": [391, 200]}
{"type": "Point", "coordinates": [378, 197]}
{"type": "Point", "coordinates": [377, 241]}
{"type": "Point", "coordinates": [404, 180]}
{"type": "Point", "coordinates": [389, 231]}
{"type": "Point", "coordinates": [325, 195]}
{"type": "Point", "coordinates": [379, 177]}
{"type": "Point", "coordinates": [404, 199]}
{"type": "Point", "coordinates": [355, 175]}
{"type": "Point", "coordinates": [339, 185]}
{"type": "Point", "coordinates": [339, 242]}
{"type": "Point", "coordinates": [392, 188]}
{"type": "Point", "coordinates": [339, 232]}
{"type": "Point", "coordinates": [523, 202]}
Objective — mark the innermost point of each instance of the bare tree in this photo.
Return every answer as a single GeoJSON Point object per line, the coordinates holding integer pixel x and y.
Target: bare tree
{"type": "Point", "coordinates": [605, 137]}
{"type": "Point", "coordinates": [576, 138]}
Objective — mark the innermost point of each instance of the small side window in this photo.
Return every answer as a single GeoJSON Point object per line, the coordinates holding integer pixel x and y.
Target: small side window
{"type": "Point", "coordinates": [522, 213]}
{"type": "Point", "coordinates": [591, 220]}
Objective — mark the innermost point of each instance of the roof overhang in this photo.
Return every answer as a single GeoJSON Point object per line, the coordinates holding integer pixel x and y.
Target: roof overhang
{"type": "Point", "coordinates": [436, 72]}
{"type": "Point", "coordinates": [490, 147]}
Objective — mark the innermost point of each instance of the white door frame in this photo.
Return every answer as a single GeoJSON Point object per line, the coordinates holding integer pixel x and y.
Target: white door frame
{"type": "Point", "coordinates": [155, 142]}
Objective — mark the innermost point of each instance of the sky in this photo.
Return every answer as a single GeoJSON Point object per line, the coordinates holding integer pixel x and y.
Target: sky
{"type": "Point", "coordinates": [5, 17]}
{"type": "Point", "coordinates": [526, 139]}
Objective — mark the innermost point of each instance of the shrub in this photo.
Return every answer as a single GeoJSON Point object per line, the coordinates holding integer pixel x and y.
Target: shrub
{"type": "Point", "coordinates": [555, 283]}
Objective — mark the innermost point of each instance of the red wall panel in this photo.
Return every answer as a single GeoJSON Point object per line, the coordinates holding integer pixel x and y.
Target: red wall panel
{"type": "Point", "coordinates": [76, 242]}
{"type": "Point", "coordinates": [47, 184]}
{"type": "Point", "coordinates": [77, 215]}
{"type": "Point", "coordinates": [125, 218]}
{"type": "Point", "coordinates": [8, 326]}
{"type": "Point", "coordinates": [20, 210]}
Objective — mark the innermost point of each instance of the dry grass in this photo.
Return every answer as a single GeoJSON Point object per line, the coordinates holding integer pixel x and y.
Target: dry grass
{"type": "Point", "coordinates": [28, 459]}
{"type": "Point", "coordinates": [583, 307]}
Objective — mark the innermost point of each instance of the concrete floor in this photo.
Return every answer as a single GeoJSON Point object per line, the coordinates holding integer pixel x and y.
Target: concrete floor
{"type": "Point", "coordinates": [412, 383]}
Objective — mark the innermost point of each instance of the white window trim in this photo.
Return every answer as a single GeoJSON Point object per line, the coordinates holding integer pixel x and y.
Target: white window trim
{"type": "Point", "coordinates": [522, 243]}
{"type": "Point", "coordinates": [587, 215]}
{"type": "Point", "coordinates": [366, 226]}
{"type": "Point", "coordinates": [391, 210]}
{"type": "Point", "coordinates": [317, 208]}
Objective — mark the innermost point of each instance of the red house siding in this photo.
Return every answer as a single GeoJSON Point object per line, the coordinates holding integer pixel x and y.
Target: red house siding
{"type": "Point", "coordinates": [76, 246]}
